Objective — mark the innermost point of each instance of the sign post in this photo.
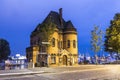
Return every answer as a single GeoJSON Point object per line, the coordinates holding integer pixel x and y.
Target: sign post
{"type": "Point", "coordinates": [45, 42]}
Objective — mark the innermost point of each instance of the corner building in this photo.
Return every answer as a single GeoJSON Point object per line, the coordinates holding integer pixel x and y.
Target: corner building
{"type": "Point", "coordinates": [63, 50]}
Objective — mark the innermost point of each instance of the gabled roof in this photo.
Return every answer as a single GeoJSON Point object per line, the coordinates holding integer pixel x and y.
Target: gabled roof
{"type": "Point", "coordinates": [57, 19]}
{"type": "Point", "coordinates": [64, 52]}
{"type": "Point", "coordinates": [54, 17]}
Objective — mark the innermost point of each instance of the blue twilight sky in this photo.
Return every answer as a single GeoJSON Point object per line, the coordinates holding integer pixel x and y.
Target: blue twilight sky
{"type": "Point", "coordinates": [18, 18]}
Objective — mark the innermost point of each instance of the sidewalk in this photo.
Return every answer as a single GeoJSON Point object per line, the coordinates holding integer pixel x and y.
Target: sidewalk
{"type": "Point", "coordinates": [42, 70]}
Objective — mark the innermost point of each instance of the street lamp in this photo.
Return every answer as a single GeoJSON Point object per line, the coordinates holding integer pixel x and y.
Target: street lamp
{"type": "Point", "coordinates": [110, 48]}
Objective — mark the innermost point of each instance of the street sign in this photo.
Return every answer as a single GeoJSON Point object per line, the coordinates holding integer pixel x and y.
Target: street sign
{"type": "Point", "coordinates": [42, 53]}
{"type": "Point", "coordinates": [45, 42]}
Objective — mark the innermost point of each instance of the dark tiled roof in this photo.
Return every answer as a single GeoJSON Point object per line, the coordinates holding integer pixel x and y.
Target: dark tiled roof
{"type": "Point", "coordinates": [54, 17]}
{"type": "Point", "coordinates": [69, 26]}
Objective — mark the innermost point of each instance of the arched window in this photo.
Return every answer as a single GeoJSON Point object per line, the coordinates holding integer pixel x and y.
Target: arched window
{"type": "Point", "coordinates": [74, 44]}
{"type": "Point", "coordinates": [53, 42]}
{"type": "Point", "coordinates": [58, 44]}
{"type": "Point", "coordinates": [53, 59]}
{"type": "Point", "coordinates": [68, 43]}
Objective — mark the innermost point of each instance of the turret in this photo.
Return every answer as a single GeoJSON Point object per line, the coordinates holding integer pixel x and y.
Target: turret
{"type": "Point", "coordinates": [61, 20]}
{"type": "Point", "coordinates": [70, 38]}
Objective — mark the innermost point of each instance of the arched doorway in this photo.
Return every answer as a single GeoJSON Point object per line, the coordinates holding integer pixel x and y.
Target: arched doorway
{"type": "Point", "coordinates": [64, 60]}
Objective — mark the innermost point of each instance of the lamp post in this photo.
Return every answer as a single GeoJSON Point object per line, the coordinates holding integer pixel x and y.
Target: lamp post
{"type": "Point", "coordinates": [110, 48]}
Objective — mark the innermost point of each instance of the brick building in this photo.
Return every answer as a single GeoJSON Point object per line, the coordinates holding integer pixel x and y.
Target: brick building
{"type": "Point", "coordinates": [63, 45]}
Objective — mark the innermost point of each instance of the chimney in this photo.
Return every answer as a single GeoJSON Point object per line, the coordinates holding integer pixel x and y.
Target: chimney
{"type": "Point", "coordinates": [60, 13]}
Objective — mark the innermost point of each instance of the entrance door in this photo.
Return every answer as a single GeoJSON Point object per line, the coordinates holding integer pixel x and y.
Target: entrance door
{"type": "Point", "coordinates": [64, 60]}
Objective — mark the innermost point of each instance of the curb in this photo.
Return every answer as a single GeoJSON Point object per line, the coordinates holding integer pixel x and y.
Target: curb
{"type": "Point", "coordinates": [19, 74]}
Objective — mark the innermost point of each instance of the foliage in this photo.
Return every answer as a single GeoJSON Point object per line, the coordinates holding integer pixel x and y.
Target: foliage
{"type": "Point", "coordinates": [112, 38]}
{"type": "Point", "coordinates": [4, 49]}
{"type": "Point", "coordinates": [96, 40]}
{"type": "Point", "coordinates": [47, 29]}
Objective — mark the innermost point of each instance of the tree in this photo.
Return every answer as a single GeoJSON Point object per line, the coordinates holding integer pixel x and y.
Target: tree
{"type": "Point", "coordinates": [96, 41]}
{"type": "Point", "coordinates": [112, 37]}
{"type": "Point", "coordinates": [4, 49]}
{"type": "Point", "coordinates": [47, 29]}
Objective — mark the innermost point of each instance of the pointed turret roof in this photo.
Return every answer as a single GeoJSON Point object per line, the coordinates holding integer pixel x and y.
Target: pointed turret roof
{"type": "Point", "coordinates": [69, 26]}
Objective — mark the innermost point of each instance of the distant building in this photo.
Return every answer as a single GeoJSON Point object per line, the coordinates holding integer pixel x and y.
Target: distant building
{"type": "Point", "coordinates": [63, 49]}
{"type": "Point", "coordinates": [16, 62]}
{"type": "Point", "coordinates": [2, 65]}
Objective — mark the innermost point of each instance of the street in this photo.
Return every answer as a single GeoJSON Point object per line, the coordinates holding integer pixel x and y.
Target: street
{"type": "Point", "coordinates": [106, 72]}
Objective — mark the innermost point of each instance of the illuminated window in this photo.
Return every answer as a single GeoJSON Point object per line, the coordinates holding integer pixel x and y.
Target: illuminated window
{"type": "Point", "coordinates": [60, 43]}
{"type": "Point", "coordinates": [53, 59]}
{"type": "Point", "coordinates": [53, 42]}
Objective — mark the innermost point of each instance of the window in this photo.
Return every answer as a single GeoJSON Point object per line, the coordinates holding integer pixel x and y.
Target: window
{"type": "Point", "coordinates": [64, 44]}
{"type": "Point", "coordinates": [74, 44]}
{"type": "Point", "coordinates": [53, 42]}
{"type": "Point", "coordinates": [61, 44]}
{"type": "Point", "coordinates": [68, 43]}
{"type": "Point", "coordinates": [58, 44]}
{"type": "Point", "coordinates": [39, 42]}
{"type": "Point", "coordinates": [53, 59]}
{"type": "Point", "coordinates": [43, 48]}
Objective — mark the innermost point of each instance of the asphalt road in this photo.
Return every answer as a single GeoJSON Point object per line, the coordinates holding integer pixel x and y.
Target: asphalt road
{"type": "Point", "coordinates": [105, 73]}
